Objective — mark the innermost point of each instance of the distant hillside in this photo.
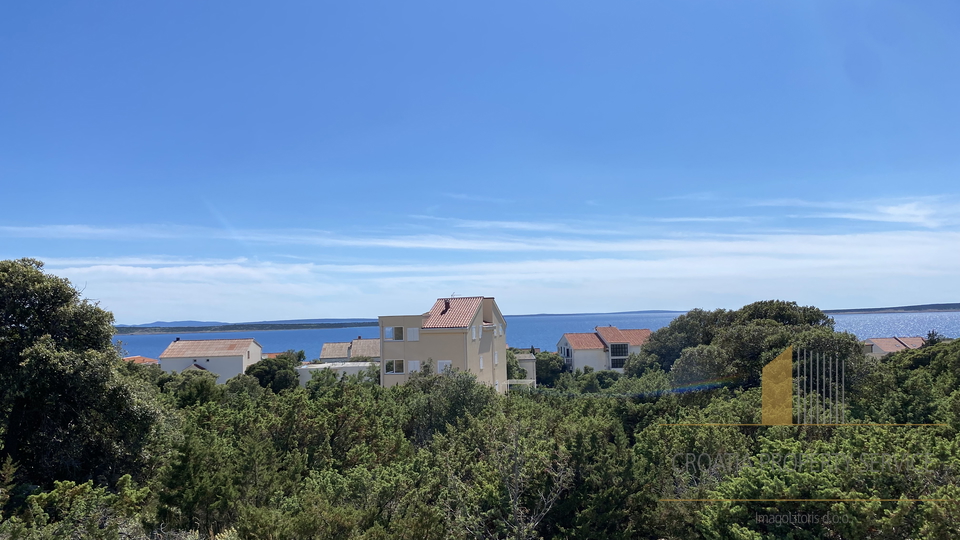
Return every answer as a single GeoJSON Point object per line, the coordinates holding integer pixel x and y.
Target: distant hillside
{"type": "Point", "coordinates": [164, 324]}
{"type": "Point", "coordinates": [901, 309]}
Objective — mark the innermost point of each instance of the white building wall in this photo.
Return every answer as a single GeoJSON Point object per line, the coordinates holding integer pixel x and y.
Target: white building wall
{"type": "Point", "coordinates": [339, 368]}
{"type": "Point", "coordinates": [225, 367]}
{"type": "Point", "coordinates": [595, 358]}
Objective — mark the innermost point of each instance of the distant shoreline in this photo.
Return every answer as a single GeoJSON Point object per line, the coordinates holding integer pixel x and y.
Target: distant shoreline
{"type": "Point", "coordinates": [143, 330]}
{"type": "Point", "coordinates": [923, 308]}
{"type": "Point", "coordinates": [268, 327]}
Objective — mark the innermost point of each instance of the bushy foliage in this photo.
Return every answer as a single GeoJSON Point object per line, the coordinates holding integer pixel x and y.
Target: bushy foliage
{"type": "Point", "coordinates": [443, 456]}
{"type": "Point", "coordinates": [280, 372]}
{"type": "Point", "coordinates": [68, 408]}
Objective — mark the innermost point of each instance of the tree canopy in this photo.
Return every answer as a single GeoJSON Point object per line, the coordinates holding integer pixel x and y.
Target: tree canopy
{"type": "Point", "coordinates": [106, 450]}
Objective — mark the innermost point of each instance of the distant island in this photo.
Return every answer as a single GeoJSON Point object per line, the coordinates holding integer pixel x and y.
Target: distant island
{"type": "Point", "coordinates": [241, 327]}
{"type": "Point", "coordinates": [901, 309]}
{"type": "Point", "coordinates": [200, 327]}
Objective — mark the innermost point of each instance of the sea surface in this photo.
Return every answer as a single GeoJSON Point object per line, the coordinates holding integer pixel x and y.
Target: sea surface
{"type": "Point", "coordinates": [543, 331]}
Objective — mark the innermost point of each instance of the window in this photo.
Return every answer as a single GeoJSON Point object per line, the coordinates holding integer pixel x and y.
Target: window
{"type": "Point", "coordinates": [617, 363]}
{"type": "Point", "coordinates": [618, 349]}
{"type": "Point", "coordinates": [393, 333]}
{"type": "Point", "coordinates": [413, 334]}
{"type": "Point", "coordinates": [393, 366]}
{"type": "Point", "coordinates": [481, 362]}
{"type": "Point", "coordinates": [473, 331]}
{"type": "Point", "coordinates": [444, 365]}
{"type": "Point", "coordinates": [496, 358]}
{"type": "Point", "coordinates": [248, 356]}
{"type": "Point", "coordinates": [413, 365]}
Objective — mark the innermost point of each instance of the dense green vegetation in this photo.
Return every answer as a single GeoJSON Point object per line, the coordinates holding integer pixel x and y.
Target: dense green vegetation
{"type": "Point", "coordinates": [93, 447]}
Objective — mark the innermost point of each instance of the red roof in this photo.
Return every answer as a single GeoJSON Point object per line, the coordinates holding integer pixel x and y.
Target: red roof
{"type": "Point", "coordinates": [454, 312]}
{"type": "Point", "coordinates": [605, 335]}
{"type": "Point", "coordinates": [636, 336]}
{"type": "Point", "coordinates": [207, 347]}
{"type": "Point", "coordinates": [585, 340]}
{"type": "Point", "coordinates": [140, 359]}
{"type": "Point", "coordinates": [611, 334]}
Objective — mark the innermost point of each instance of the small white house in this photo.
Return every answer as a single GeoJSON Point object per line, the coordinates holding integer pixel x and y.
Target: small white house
{"type": "Point", "coordinates": [226, 358]}
{"type": "Point", "coordinates": [340, 369]}
{"type": "Point", "coordinates": [607, 347]}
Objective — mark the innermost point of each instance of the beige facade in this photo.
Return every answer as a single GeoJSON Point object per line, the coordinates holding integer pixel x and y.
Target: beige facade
{"type": "Point", "coordinates": [461, 333]}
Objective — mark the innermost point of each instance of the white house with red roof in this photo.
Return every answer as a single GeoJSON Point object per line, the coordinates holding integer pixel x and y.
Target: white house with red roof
{"type": "Point", "coordinates": [466, 333]}
{"type": "Point", "coordinates": [226, 358]}
{"type": "Point", "coordinates": [607, 347]}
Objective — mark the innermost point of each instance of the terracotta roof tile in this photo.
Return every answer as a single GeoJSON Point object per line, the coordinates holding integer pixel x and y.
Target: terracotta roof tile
{"type": "Point", "coordinates": [912, 342]}
{"type": "Point", "coordinates": [887, 344]}
{"type": "Point", "coordinates": [140, 359]}
{"type": "Point", "coordinates": [186, 348]}
{"type": "Point", "coordinates": [335, 350]}
{"type": "Point", "coordinates": [454, 312]}
{"type": "Point", "coordinates": [611, 334]}
{"type": "Point", "coordinates": [584, 340]}
{"type": "Point", "coordinates": [365, 347]}
{"type": "Point", "coordinates": [636, 336]}
{"type": "Point", "coordinates": [894, 344]}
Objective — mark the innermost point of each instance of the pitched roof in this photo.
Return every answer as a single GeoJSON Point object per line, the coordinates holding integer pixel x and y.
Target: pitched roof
{"type": "Point", "coordinates": [584, 340]}
{"type": "Point", "coordinates": [636, 336]}
{"type": "Point", "coordinates": [894, 344]}
{"type": "Point", "coordinates": [610, 334]}
{"type": "Point", "coordinates": [365, 347]}
{"type": "Point", "coordinates": [454, 312]}
{"type": "Point", "coordinates": [185, 348]}
{"type": "Point", "coordinates": [912, 342]}
{"type": "Point", "coordinates": [140, 359]}
{"type": "Point", "coordinates": [335, 350]}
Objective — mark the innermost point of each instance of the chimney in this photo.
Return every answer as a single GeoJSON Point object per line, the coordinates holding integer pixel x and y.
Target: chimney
{"type": "Point", "coordinates": [446, 306]}
{"type": "Point", "coordinates": [178, 339]}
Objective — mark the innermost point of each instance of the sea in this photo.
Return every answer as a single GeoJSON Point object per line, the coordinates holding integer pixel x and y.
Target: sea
{"type": "Point", "coordinates": [543, 331]}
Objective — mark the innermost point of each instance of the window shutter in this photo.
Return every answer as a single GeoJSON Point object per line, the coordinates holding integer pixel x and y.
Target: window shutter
{"type": "Point", "coordinates": [413, 334]}
{"type": "Point", "coordinates": [496, 358]}
{"type": "Point", "coordinates": [481, 361]}
{"type": "Point", "coordinates": [414, 365]}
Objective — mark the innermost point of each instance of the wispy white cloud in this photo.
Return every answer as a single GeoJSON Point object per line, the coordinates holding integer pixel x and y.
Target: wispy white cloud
{"type": "Point", "coordinates": [683, 273]}
{"type": "Point", "coordinates": [931, 212]}
{"type": "Point", "coordinates": [705, 219]}
{"type": "Point", "coordinates": [477, 198]}
{"type": "Point", "coordinates": [542, 226]}
{"type": "Point", "coordinates": [698, 196]}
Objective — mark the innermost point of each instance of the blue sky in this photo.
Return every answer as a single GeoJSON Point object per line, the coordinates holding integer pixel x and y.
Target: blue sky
{"type": "Point", "coordinates": [243, 161]}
